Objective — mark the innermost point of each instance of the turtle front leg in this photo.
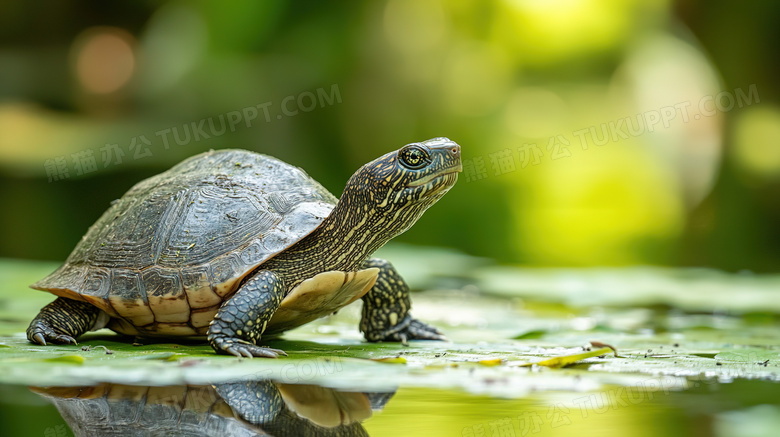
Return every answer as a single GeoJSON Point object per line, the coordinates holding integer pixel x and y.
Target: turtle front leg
{"type": "Point", "coordinates": [386, 309]}
{"type": "Point", "coordinates": [241, 320]}
{"type": "Point", "coordinates": [62, 321]}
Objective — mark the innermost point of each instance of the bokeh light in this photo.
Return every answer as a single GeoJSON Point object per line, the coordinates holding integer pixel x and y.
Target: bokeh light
{"type": "Point", "coordinates": [104, 60]}
{"type": "Point", "coordinates": [757, 141]}
{"type": "Point", "coordinates": [497, 77]}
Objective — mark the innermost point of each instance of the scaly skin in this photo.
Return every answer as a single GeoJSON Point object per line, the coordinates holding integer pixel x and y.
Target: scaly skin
{"type": "Point", "coordinates": [61, 321]}
{"type": "Point", "coordinates": [240, 321]}
{"type": "Point", "coordinates": [386, 309]}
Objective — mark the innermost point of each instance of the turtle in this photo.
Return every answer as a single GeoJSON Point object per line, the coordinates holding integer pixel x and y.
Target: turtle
{"type": "Point", "coordinates": [231, 245]}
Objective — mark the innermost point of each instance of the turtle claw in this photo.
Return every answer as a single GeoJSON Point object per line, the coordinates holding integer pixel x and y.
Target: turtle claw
{"type": "Point", "coordinates": [251, 351]}
{"type": "Point", "coordinates": [241, 348]}
{"type": "Point", "coordinates": [40, 333]}
{"type": "Point", "coordinates": [39, 339]}
{"type": "Point", "coordinates": [276, 351]}
{"type": "Point", "coordinates": [418, 330]}
{"type": "Point", "coordinates": [407, 329]}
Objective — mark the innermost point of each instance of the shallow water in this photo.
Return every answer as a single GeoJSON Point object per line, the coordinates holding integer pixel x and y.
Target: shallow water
{"type": "Point", "coordinates": [740, 408]}
{"type": "Point", "coordinates": [693, 361]}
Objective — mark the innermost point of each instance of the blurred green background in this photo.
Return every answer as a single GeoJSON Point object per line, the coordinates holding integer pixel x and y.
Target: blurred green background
{"type": "Point", "coordinates": [595, 132]}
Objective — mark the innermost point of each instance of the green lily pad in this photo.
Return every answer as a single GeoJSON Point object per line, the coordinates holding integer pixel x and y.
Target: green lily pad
{"type": "Point", "coordinates": [659, 337]}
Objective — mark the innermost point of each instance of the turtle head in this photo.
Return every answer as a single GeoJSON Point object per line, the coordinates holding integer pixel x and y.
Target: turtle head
{"type": "Point", "coordinates": [398, 187]}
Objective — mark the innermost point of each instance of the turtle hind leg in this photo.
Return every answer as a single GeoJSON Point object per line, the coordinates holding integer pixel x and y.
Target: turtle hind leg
{"type": "Point", "coordinates": [62, 321]}
{"type": "Point", "coordinates": [386, 309]}
{"type": "Point", "coordinates": [241, 320]}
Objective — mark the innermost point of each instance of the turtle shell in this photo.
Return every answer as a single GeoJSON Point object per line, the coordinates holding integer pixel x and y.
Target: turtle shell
{"type": "Point", "coordinates": [163, 258]}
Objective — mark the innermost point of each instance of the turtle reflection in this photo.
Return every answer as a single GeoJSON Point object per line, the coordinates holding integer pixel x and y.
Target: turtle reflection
{"type": "Point", "coordinates": [231, 409]}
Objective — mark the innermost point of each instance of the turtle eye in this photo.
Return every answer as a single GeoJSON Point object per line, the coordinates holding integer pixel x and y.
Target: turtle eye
{"type": "Point", "coordinates": [414, 157]}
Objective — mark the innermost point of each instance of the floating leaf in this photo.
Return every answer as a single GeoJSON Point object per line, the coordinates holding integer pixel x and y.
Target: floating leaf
{"type": "Point", "coordinates": [331, 350]}
{"type": "Point", "coordinates": [390, 360]}
{"type": "Point", "coordinates": [70, 359]}
{"type": "Point", "coordinates": [566, 360]}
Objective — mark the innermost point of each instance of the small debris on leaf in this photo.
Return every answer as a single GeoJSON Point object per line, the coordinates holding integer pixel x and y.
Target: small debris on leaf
{"type": "Point", "coordinates": [599, 344]}
{"type": "Point", "coordinates": [89, 348]}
